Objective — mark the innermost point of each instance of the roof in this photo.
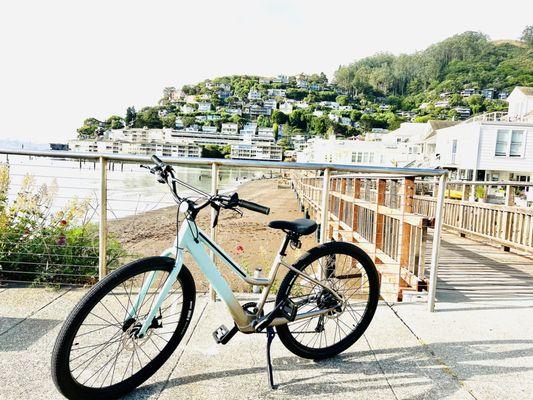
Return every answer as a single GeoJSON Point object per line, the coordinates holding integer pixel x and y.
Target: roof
{"type": "Point", "coordinates": [438, 124]}
{"type": "Point", "coordinates": [528, 91]}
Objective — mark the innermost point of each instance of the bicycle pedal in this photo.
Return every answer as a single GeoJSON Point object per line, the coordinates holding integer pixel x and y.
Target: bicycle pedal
{"type": "Point", "coordinates": [223, 335]}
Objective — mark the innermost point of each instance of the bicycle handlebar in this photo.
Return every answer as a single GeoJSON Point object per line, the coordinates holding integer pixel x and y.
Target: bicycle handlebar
{"type": "Point", "coordinates": [163, 170]}
{"type": "Point", "coordinates": [254, 207]}
{"type": "Point", "coordinates": [157, 161]}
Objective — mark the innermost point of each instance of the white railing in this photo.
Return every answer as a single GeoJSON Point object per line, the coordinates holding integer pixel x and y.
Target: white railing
{"type": "Point", "coordinates": [326, 170]}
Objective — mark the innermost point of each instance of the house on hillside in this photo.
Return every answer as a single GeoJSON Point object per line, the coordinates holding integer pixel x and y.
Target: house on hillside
{"type": "Point", "coordinates": [254, 94]}
{"type": "Point", "coordinates": [204, 106]}
{"type": "Point", "coordinates": [486, 148]}
{"type": "Point", "coordinates": [520, 103]}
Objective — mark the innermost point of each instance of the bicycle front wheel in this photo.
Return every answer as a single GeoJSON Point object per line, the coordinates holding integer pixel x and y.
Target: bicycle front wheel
{"type": "Point", "coordinates": [347, 270]}
{"type": "Point", "coordinates": [98, 354]}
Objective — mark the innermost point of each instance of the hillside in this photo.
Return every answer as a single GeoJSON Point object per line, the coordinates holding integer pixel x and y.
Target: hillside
{"type": "Point", "coordinates": [454, 79]}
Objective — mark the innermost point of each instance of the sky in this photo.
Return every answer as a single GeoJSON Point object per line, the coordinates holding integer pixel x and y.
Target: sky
{"type": "Point", "coordinates": [63, 61]}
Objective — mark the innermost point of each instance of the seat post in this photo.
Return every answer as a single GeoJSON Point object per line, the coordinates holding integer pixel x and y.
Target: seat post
{"type": "Point", "coordinates": [286, 242]}
{"type": "Point", "coordinates": [290, 237]}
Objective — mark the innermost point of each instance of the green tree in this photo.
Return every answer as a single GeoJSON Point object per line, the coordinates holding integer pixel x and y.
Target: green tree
{"type": "Point", "coordinates": [279, 117]}
{"type": "Point", "coordinates": [527, 35]}
{"type": "Point", "coordinates": [343, 100]}
{"type": "Point", "coordinates": [215, 151]}
{"type": "Point", "coordinates": [131, 115]}
{"type": "Point", "coordinates": [476, 103]}
{"type": "Point", "coordinates": [114, 122]}
{"type": "Point", "coordinates": [90, 128]}
{"type": "Point", "coordinates": [188, 120]}
{"type": "Point", "coordinates": [169, 120]}
{"type": "Point", "coordinates": [148, 117]}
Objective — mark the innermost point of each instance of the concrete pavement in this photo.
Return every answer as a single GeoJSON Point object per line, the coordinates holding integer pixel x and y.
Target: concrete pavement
{"type": "Point", "coordinates": [478, 345]}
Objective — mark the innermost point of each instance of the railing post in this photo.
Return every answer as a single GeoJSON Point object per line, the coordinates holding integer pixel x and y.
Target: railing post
{"type": "Point", "coordinates": [102, 231]}
{"type": "Point", "coordinates": [213, 233]}
{"type": "Point", "coordinates": [436, 244]}
{"type": "Point", "coordinates": [324, 205]}
{"type": "Point", "coordinates": [379, 219]}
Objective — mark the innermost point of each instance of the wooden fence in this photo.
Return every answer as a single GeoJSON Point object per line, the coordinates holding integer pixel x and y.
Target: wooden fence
{"type": "Point", "coordinates": [505, 225]}
{"type": "Point", "coordinates": [378, 215]}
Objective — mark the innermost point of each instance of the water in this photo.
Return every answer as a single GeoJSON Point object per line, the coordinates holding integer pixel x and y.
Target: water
{"type": "Point", "coordinates": [131, 189]}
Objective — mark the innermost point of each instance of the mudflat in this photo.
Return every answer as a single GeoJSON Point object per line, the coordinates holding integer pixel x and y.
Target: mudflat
{"type": "Point", "coordinates": [247, 238]}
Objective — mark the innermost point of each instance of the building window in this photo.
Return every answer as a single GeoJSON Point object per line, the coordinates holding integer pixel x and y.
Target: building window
{"type": "Point", "coordinates": [517, 144]}
{"type": "Point", "coordinates": [502, 141]}
{"type": "Point", "coordinates": [354, 157]}
{"type": "Point", "coordinates": [359, 157]}
{"type": "Point", "coordinates": [509, 143]}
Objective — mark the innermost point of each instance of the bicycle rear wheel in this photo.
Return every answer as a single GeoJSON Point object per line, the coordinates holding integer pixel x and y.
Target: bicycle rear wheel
{"type": "Point", "coordinates": [98, 354]}
{"type": "Point", "coordinates": [347, 270]}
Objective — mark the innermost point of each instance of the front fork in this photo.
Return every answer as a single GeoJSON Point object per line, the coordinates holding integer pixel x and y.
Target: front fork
{"type": "Point", "coordinates": [167, 286]}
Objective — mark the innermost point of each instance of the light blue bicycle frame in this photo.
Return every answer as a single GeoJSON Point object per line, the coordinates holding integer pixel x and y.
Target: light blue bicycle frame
{"type": "Point", "coordinates": [197, 243]}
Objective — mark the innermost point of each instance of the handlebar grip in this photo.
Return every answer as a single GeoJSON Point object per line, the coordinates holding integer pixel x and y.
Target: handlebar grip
{"type": "Point", "coordinates": [157, 161]}
{"type": "Point", "coordinates": [254, 207]}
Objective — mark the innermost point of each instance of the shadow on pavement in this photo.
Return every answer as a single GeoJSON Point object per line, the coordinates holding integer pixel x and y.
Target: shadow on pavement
{"type": "Point", "coordinates": [22, 333]}
{"type": "Point", "coordinates": [416, 367]}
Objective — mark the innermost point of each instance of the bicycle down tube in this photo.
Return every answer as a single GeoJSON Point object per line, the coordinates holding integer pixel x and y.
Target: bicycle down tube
{"type": "Point", "coordinates": [197, 243]}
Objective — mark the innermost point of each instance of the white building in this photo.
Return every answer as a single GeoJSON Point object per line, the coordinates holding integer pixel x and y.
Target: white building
{"type": "Point", "coordinates": [270, 103]}
{"type": "Point", "coordinates": [492, 147]}
{"type": "Point", "coordinates": [281, 79]}
{"type": "Point", "coordinates": [298, 142]}
{"type": "Point", "coordinates": [276, 92]}
{"type": "Point", "coordinates": [263, 131]}
{"type": "Point", "coordinates": [249, 129]}
{"type": "Point", "coordinates": [204, 106]}
{"type": "Point", "coordinates": [521, 103]}
{"type": "Point", "coordinates": [187, 109]}
{"type": "Point", "coordinates": [254, 94]}
{"type": "Point", "coordinates": [257, 151]}
{"type": "Point", "coordinates": [330, 104]}
{"type": "Point", "coordinates": [209, 129]}
{"type": "Point", "coordinates": [403, 147]}
{"type": "Point", "coordinates": [285, 108]}
{"type": "Point", "coordinates": [185, 143]}
{"type": "Point", "coordinates": [230, 128]}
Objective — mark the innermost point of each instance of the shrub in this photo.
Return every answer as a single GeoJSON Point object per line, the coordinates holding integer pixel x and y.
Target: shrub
{"type": "Point", "coordinates": [40, 245]}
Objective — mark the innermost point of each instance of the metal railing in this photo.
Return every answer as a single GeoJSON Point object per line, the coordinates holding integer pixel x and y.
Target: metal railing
{"type": "Point", "coordinates": [326, 170]}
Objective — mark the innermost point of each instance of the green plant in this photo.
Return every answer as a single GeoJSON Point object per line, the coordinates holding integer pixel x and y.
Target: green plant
{"type": "Point", "coordinates": [40, 245]}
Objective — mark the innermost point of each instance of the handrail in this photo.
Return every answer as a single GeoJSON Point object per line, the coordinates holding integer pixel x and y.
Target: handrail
{"type": "Point", "coordinates": [223, 162]}
{"type": "Point", "coordinates": [390, 172]}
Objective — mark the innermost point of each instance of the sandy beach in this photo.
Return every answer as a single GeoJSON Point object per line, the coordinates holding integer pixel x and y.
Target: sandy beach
{"type": "Point", "coordinates": [150, 233]}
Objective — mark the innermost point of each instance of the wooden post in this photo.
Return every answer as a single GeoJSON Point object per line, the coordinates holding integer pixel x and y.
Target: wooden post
{"type": "Point", "coordinates": [342, 202]}
{"type": "Point", "coordinates": [509, 195]}
{"type": "Point", "coordinates": [332, 201]}
{"type": "Point", "coordinates": [102, 229]}
{"type": "Point", "coordinates": [381, 185]}
{"type": "Point", "coordinates": [408, 191]}
{"type": "Point", "coordinates": [355, 208]}
{"type": "Point", "coordinates": [324, 206]}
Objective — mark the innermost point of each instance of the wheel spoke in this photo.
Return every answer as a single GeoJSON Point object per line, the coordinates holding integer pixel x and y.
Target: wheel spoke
{"type": "Point", "coordinates": [353, 287]}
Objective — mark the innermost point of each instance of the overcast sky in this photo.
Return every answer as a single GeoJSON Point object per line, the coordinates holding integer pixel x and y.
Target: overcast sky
{"type": "Point", "coordinates": [63, 61]}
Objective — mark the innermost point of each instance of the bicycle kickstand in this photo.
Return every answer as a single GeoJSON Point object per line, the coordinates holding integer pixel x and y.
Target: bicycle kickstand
{"type": "Point", "coordinates": [270, 337]}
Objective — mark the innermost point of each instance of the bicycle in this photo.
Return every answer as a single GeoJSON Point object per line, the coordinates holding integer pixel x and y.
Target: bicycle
{"type": "Point", "coordinates": [129, 323]}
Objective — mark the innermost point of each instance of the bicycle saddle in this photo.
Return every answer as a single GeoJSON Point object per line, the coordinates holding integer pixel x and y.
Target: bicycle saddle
{"type": "Point", "coordinates": [300, 226]}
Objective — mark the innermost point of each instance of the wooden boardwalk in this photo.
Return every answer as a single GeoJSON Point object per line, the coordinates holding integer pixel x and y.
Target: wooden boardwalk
{"type": "Point", "coordinates": [473, 271]}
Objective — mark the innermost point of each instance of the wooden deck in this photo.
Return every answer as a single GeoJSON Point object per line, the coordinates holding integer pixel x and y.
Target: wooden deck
{"type": "Point", "coordinates": [472, 271]}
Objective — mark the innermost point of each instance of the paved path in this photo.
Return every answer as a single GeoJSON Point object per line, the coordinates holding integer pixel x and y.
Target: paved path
{"type": "Point", "coordinates": [478, 345]}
